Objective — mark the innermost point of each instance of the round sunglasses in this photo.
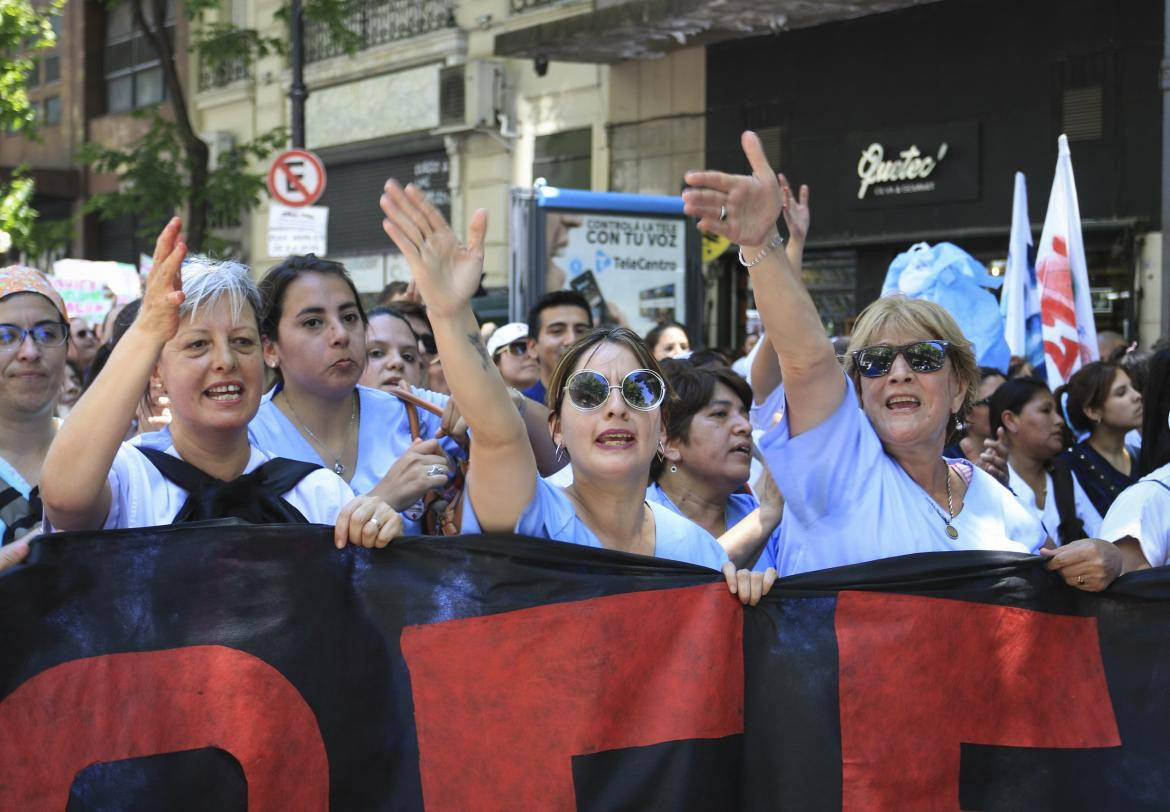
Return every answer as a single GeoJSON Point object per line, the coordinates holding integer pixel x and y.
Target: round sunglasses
{"type": "Point", "coordinates": [921, 356]}
{"type": "Point", "coordinates": [642, 389]}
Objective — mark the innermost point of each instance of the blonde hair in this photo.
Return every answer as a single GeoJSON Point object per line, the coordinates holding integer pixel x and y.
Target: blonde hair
{"type": "Point", "coordinates": [899, 313]}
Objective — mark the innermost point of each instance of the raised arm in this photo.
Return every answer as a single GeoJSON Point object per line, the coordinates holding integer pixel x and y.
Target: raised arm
{"type": "Point", "coordinates": [501, 476]}
{"type": "Point", "coordinates": [750, 205]}
{"type": "Point", "coordinates": [74, 488]}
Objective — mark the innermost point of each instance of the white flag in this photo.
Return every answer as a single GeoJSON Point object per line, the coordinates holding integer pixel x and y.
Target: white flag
{"type": "Point", "coordinates": [1066, 308]}
{"type": "Point", "coordinates": [1019, 302]}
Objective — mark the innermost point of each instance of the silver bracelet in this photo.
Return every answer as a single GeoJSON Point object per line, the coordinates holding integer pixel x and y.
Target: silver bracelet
{"type": "Point", "coordinates": [775, 243]}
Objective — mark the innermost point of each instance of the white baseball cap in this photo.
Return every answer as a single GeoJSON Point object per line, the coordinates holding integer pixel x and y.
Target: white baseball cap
{"type": "Point", "coordinates": [505, 335]}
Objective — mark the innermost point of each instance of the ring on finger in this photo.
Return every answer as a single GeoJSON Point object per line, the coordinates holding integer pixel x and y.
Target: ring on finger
{"type": "Point", "coordinates": [374, 522]}
{"type": "Point", "coordinates": [437, 470]}
{"type": "Point", "coordinates": [723, 214]}
{"type": "Point", "coordinates": [1080, 580]}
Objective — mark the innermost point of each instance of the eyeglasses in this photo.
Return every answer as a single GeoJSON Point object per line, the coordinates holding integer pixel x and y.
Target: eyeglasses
{"type": "Point", "coordinates": [921, 356]}
{"type": "Point", "coordinates": [517, 348]}
{"type": "Point", "coordinates": [641, 389]}
{"type": "Point", "coordinates": [45, 334]}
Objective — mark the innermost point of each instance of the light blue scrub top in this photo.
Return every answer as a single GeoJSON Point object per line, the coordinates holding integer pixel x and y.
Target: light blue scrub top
{"type": "Point", "coordinates": [550, 515]}
{"type": "Point", "coordinates": [847, 501]}
{"type": "Point", "coordinates": [739, 505]}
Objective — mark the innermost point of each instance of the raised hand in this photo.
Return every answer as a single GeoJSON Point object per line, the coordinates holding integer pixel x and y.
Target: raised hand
{"type": "Point", "coordinates": [446, 272]}
{"type": "Point", "coordinates": [743, 208]}
{"type": "Point", "coordinates": [796, 213]}
{"type": "Point", "coordinates": [163, 294]}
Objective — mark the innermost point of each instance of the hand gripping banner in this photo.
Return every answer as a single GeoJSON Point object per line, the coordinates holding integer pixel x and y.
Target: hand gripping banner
{"type": "Point", "coordinates": [225, 666]}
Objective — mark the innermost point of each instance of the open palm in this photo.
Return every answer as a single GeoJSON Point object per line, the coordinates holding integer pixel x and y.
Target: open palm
{"type": "Point", "coordinates": [446, 272]}
{"type": "Point", "coordinates": [743, 208]}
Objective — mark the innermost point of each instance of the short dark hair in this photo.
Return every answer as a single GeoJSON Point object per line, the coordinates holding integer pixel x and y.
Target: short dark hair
{"type": "Point", "coordinates": [658, 329]}
{"type": "Point", "coordinates": [694, 386]}
{"type": "Point", "coordinates": [556, 298]}
{"type": "Point", "coordinates": [1012, 396]}
{"type": "Point", "coordinates": [395, 313]}
{"type": "Point", "coordinates": [276, 282]}
{"type": "Point", "coordinates": [391, 290]}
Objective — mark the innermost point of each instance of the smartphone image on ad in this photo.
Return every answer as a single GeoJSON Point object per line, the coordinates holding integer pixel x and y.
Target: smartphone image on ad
{"type": "Point", "coordinates": [586, 284]}
{"type": "Point", "coordinates": [657, 304]}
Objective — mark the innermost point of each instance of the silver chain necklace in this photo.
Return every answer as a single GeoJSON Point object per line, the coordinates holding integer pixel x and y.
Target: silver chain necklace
{"type": "Point", "coordinates": [952, 531]}
{"type": "Point", "coordinates": [338, 465]}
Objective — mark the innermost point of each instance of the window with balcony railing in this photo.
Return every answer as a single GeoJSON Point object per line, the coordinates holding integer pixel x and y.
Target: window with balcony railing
{"type": "Point", "coordinates": [376, 22]}
{"type": "Point", "coordinates": [223, 73]}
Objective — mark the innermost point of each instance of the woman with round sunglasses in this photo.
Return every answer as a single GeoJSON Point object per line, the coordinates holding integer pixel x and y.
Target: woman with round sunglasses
{"type": "Point", "coordinates": [870, 482]}
{"type": "Point", "coordinates": [707, 461]}
{"type": "Point", "coordinates": [607, 399]}
{"type": "Point", "coordinates": [198, 332]}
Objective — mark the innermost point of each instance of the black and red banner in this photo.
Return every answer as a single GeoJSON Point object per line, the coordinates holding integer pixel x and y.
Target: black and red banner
{"type": "Point", "coordinates": [223, 666]}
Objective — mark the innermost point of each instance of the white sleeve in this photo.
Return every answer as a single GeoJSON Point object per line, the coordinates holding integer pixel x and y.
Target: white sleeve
{"type": "Point", "coordinates": [1142, 511]}
{"type": "Point", "coordinates": [320, 496]}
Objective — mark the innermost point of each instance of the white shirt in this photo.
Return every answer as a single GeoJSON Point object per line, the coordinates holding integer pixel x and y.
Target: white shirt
{"type": "Point", "coordinates": [847, 501]}
{"type": "Point", "coordinates": [1143, 511]}
{"type": "Point", "coordinates": [1049, 517]}
{"type": "Point", "coordinates": [143, 497]}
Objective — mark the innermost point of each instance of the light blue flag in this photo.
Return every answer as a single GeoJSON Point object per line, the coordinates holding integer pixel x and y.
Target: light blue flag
{"type": "Point", "coordinates": [1020, 300]}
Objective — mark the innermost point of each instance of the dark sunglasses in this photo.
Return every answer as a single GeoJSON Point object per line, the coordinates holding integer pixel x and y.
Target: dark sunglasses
{"type": "Point", "coordinates": [921, 356]}
{"type": "Point", "coordinates": [642, 389]}
{"type": "Point", "coordinates": [517, 348]}
{"type": "Point", "coordinates": [428, 343]}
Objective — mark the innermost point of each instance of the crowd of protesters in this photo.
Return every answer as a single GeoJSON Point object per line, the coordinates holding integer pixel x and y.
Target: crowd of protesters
{"type": "Point", "coordinates": [213, 396]}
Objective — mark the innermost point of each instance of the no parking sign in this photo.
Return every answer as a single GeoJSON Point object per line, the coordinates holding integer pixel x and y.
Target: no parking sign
{"type": "Point", "coordinates": [296, 178]}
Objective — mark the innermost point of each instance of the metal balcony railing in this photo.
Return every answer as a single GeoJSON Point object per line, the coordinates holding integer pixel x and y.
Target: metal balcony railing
{"type": "Point", "coordinates": [376, 22]}
{"type": "Point", "coordinates": [223, 73]}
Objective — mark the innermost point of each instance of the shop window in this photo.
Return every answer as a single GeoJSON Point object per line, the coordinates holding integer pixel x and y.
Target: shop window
{"type": "Point", "coordinates": [133, 73]}
{"type": "Point", "coordinates": [52, 116]}
{"type": "Point", "coordinates": [565, 159]}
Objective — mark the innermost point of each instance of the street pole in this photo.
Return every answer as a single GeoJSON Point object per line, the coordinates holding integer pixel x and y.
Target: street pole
{"type": "Point", "coordinates": [1164, 292]}
{"type": "Point", "coordinates": [299, 92]}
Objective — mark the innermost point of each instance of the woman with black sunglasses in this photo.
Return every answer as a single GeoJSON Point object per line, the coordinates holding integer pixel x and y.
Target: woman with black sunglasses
{"type": "Point", "coordinates": [869, 482]}
{"type": "Point", "coordinates": [607, 398]}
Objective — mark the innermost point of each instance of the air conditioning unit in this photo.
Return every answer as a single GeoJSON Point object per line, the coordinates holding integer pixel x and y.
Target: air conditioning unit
{"type": "Point", "coordinates": [218, 143]}
{"type": "Point", "coordinates": [470, 95]}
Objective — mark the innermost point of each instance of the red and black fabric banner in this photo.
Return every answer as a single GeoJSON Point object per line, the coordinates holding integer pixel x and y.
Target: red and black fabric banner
{"type": "Point", "coordinates": [223, 666]}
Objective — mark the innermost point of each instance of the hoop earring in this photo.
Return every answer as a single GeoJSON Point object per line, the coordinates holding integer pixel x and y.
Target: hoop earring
{"type": "Point", "coordinates": [660, 453]}
{"type": "Point", "coordinates": [560, 455]}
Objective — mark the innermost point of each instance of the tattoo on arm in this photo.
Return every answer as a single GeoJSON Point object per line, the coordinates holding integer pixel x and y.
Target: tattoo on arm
{"type": "Point", "coordinates": [477, 343]}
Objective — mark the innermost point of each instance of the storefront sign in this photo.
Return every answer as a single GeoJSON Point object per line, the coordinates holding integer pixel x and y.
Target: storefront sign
{"type": "Point", "coordinates": [930, 164]}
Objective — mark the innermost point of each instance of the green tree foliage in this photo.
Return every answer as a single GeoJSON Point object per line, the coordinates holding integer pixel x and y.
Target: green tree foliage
{"type": "Point", "coordinates": [172, 150]}
{"type": "Point", "coordinates": [154, 172]}
{"type": "Point", "coordinates": [24, 30]}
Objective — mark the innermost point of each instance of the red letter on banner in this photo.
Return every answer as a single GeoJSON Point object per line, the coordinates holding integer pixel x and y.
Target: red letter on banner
{"type": "Point", "coordinates": [122, 706]}
{"type": "Point", "coordinates": [503, 702]}
{"type": "Point", "coordinates": [918, 676]}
